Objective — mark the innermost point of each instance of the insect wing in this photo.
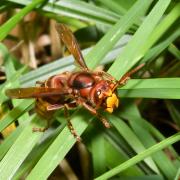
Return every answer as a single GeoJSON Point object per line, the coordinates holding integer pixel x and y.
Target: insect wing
{"type": "Point", "coordinates": [70, 41]}
{"type": "Point", "coordinates": [34, 92]}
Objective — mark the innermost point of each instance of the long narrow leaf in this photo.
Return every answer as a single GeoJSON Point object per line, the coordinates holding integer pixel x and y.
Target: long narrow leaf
{"type": "Point", "coordinates": [93, 58]}
{"type": "Point", "coordinates": [167, 88]}
{"type": "Point", "coordinates": [78, 10]}
{"type": "Point", "coordinates": [13, 115]}
{"type": "Point", "coordinates": [133, 52]}
{"type": "Point", "coordinates": [140, 157]}
{"type": "Point", "coordinates": [19, 151]}
{"type": "Point", "coordinates": [59, 148]}
{"type": "Point", "coordinates": [131, 138]}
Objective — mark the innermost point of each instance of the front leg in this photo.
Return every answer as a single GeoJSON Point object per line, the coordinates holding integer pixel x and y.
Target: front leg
{"type": "Point", "coordinates": [94, 112]}
{"type": "Point", "coordinates": [127, 76]}
{"type": "Point", "coordinates": [39, 83]}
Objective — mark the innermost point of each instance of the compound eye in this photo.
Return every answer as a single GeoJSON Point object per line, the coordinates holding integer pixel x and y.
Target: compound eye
{"type": "Point", "coordinates": [99, 92]}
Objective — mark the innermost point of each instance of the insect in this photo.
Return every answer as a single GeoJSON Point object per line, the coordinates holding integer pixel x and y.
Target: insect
{"type": "Point", "coordinates": [91, 89]}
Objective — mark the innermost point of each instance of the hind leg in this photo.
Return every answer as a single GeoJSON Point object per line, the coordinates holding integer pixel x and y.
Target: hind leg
{"type": "Point", "coordinates": [70, 126]}
{"type": "Point", "coordinates": [48, 117]}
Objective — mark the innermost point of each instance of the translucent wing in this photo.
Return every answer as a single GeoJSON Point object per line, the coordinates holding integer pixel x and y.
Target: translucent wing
{"type": "Point", "coordinates": [34, 92]}
{"type": "Point", "coordinates": [69, 40]}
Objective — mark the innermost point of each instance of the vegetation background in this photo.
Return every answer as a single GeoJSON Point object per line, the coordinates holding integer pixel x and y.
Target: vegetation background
{"type": "Point", "coordinates": [115, 36]}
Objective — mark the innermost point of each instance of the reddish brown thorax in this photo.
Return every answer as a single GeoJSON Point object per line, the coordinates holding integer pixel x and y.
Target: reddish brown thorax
{"type": "Point", "coordinates": [95, 90]}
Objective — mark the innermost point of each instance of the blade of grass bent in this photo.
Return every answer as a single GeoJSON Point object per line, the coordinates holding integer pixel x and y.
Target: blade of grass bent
{"type": "Point", "coordinates": [132, 53]}
{"type": "Point", "coordinates": [153, 83]}
{"type": "Point", "coordinates": [140, 157]}
{"type": "Point", "coordinates": [150, 93]}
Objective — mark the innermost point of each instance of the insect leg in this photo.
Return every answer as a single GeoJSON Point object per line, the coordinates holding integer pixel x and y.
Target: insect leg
{"type": "Point", "coordinates": [53, 107]}
{"type": "Point", "coordinates": [70, 126]}
{"type": "Point", "coordinates": [42, 111]}
{"type": "Point", "coordinates": [39, 83]}
{"type": "Point", "coordinates": [94, 112]}
{"type": "Point", "coordinates": [126, 77]}
{"type": "Point", "coordinates": [36, 129]}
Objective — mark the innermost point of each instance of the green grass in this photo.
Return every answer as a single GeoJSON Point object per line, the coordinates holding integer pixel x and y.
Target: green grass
{"type": "Point", "coordinates": [140, 156]}
{"type": "Point", "coordinates": [133, 146]}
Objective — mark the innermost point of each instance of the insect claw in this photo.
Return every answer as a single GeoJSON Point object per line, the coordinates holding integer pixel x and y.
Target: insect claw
{"type": "Point", "coordinates": [78, 139]}
{"type": "Point", "coordinates": [125, 81]}
{"type": "Point", "coordinates": [39, 129]}
{"type": "Point", "coordinates": [105, 123]}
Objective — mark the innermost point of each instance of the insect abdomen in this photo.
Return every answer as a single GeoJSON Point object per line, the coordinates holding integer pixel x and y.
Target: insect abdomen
{"type": "Point", "coordinates": [41, 109]}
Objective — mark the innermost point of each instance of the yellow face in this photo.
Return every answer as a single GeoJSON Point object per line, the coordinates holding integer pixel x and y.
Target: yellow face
{"type": "Point", "coordinates": [106, 95]}
{"type": "Point", "coordinates": [112, 102]}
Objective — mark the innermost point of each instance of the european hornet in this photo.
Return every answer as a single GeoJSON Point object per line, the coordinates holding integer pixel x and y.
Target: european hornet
{"type": "Point", "coordinates": [91, 89]}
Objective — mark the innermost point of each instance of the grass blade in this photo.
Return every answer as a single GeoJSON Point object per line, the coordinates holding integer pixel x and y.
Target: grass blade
{"type": "Point", "coordinates": [19, 151]}
{"type": "Point", "coordinates": [174, 50]}
{"type": "Point", "coordinates": [8, 142]}
{"type": "Point", "coordinates": [12, 115]}
{"type": "Point", "coordinates": [163, 26]}
{"type": "Point", "coordinates": [133, 52]}
{"type": "Point", "coordinates": [131, 138]}
{"type": "Point", "coordinates": [77, 9]}
{"type": "Point", "coordinates": [140, 156]}
{"type": "Point", "coordinates": [115, 156]}
{"type": "Point", "coordinates": [168, 169]}
{"type": "Point", "coordinates": [167, 88]}
{"type": "Point", "coordinates": [93, 58]}
{"type": "Point", "coordinates": [59, 148]}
